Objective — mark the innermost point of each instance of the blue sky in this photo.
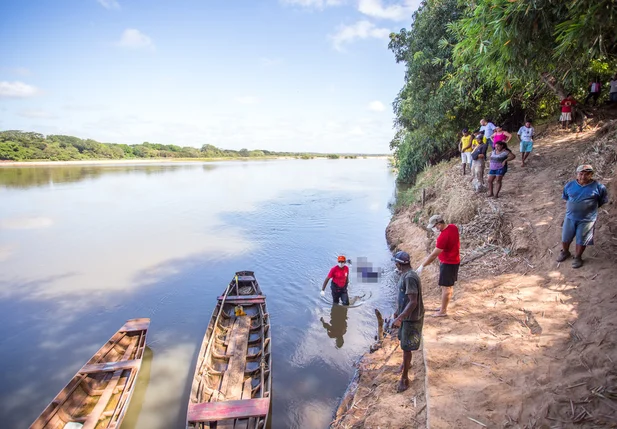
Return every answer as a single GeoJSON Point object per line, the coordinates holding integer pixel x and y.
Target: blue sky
{"type": "Point", "coordinates": [305, 75]}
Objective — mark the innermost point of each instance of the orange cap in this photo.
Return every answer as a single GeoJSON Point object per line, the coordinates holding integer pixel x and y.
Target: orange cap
{"type": "Point", "coordinates": [342, 259]}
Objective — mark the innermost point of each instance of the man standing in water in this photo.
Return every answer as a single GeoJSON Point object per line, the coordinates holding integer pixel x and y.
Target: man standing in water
{"type": "Point", "coordinates": [339, 274]}
{"type": "Point", "coordinates": [409, 314]}
{"type": "Point", "coordinates": [447, 248]}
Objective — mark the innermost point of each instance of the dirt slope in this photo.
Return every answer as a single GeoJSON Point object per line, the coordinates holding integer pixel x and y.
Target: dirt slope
{"type": "Point", "coordinates": [529, 343]}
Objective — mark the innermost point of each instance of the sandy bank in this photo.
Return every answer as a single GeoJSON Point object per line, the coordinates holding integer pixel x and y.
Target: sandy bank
{"type": "Point", "coordinates": [528, 343]}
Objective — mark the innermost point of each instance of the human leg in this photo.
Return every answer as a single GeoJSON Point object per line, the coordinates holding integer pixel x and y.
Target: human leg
{"type": "Point", "coordinates": [498, 180]}
{"type": "Point", "coordinates": [410, 335]}
{"type": "Point", "coordinates": [336, 295]}
{"type": "Point", "coordinates": [344, 297]}
{"type": "Point", "coordinates": [584, 237]}
{"type": "Point", "coordinates": [491, 179]}
{"type": "Point", "coordinates": [448, 275]}
{"type": "Point", "coordinates": [568, 231]}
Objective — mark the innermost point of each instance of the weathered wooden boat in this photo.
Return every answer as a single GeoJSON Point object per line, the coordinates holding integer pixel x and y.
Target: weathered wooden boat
{"type": "Point", "coordinates": [232, 380]}
{"type": "Point", "coordinates": [98, 395]}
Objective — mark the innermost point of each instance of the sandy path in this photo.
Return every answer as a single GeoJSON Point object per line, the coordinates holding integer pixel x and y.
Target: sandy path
{"type": "Point", "coordinates": [528, 341]}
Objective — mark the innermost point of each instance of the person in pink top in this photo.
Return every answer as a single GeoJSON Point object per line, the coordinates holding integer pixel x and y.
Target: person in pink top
{"type": "Point", "coordinates": [501, 136]}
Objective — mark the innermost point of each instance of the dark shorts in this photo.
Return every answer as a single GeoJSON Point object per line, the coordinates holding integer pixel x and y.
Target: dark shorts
{"type": "Point", "coordinates": [448, 274]}
{"type": "Point", "coordinates": [410, 334]}
{"type": "Point", "coordinates": [499, 172]}
{"type": "Point", "coordinates": [339, 293]}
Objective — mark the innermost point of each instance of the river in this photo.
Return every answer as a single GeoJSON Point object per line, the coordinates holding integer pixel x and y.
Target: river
{"type": "Point", "coordinates": [84, 248]}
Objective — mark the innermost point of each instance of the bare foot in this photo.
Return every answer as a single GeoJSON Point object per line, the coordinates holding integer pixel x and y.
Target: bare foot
{"type": "Point", "coordinates": [490, 196]}
{"type": "Point", "coordinates": [439, 314]}
{"type": "Point", "coordinates": [403, 385]}
{"type": "Point", "coordinates": [496, 196]}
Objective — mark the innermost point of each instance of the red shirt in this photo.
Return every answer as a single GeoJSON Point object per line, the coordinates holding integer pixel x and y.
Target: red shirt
{"type": "Point", "coordinates": [566, 105]}
{"type": "Point", "coordinates": [339, 275]}
{"type": "Point", "coordinates": [448, 241]}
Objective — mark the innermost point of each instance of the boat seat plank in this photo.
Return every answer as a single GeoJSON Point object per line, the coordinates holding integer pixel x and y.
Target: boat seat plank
{"type": "Point", "coordinates": [110, 366]}
{"type": "Point", "coordinates": [240, 409]}
{"type": "Point", "coordinates": [234, 298]}
{"type": "Point", "coordinates": [95, 415]}
{"type": "Point", "coordinates": [246, 301]}
{"type": "Point", "coordinates": [246, 278]}
{"type": "Point", "coordinates": [233, 379]}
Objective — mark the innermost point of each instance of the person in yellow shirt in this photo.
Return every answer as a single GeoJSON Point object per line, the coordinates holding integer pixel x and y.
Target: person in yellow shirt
{"type": "Point", "coordinates": [465, 149]}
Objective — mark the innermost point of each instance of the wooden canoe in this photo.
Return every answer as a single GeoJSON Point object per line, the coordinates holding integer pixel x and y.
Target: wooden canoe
{"type": "Point", "coordinates": [98, 395]}
{"type": "Point", "coordinates": [231, 384]}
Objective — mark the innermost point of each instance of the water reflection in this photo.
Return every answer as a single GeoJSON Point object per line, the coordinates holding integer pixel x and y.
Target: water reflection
{"type": "Point", "coordinates": [137, 401]}
{"type": "Point", "coordinates": [27, 177]}
{"type": "Point", "coordinates": [82, 252]}
{"type": "Point", "coordinates": [338, 324]}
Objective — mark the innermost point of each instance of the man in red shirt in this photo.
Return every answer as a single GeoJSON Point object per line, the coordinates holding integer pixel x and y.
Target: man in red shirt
{"type": "Point", "coordinates": [340, 279]}
{"type": "Point", "coordinates": [447, 249]}
{"type": "Point", "coordinates": [566, 110]}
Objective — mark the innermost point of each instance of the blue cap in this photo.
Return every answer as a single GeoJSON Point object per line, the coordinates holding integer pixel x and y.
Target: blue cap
{"type": "Point", "coordinates": [401, 257]}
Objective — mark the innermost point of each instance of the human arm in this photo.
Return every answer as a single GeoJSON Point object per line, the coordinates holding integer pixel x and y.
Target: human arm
{"type": "Point", "coordinates": [603, 195]}
{"type": "Point", "coordinates": [510, 157]}
{"type": "Point", "coordinates": [508, 136]}
{"type": "Point", "coordinates": [411, 306]}
{"type": "Point", "coordinates": [325, 282]}
{"type": "Point", "coordinates": [434, 254]}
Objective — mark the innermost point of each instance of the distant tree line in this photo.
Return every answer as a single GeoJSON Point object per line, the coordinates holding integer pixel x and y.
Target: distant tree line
{"type": "Point", "coordinates": [27, 146]}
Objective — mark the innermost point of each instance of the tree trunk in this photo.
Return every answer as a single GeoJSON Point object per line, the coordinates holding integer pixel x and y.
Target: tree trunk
{"type": "Point", "coordinates": [552, 83]}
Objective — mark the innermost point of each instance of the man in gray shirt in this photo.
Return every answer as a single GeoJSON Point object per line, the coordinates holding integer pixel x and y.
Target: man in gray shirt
{"type": "Point", "coordinates": [409, 315]}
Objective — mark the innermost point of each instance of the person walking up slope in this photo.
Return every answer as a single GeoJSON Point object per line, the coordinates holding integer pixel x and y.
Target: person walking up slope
{"type": "Point", "coordinates": [447, 249]}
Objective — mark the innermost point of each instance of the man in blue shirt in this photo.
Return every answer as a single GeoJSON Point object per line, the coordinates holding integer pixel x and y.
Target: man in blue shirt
{"type": "Point", "coordinates": [583, 197]}
{"type": "Point", "coordinates": [489, 129]}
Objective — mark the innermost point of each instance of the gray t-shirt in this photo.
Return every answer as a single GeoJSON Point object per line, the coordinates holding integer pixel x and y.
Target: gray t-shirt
{"type": "Point", "coordinates": [409, 284]}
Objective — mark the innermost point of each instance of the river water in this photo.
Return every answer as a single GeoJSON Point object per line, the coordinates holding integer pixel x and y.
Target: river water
{"type": "Point", "coordinates": [84, 248]}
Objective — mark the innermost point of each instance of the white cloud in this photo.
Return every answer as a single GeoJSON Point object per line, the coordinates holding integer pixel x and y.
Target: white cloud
{"type": "Point", "coordinates": [17, 90]}
{"type": "Point", "coordinates": [315, 4]}
{"type": "Point", "coordinates": [360, 30]}
{"type": "Point", "coordinates": [135, 39]}
{"type": "Point", "coordinates": [39, 114]}
{"type": "Point", "coordinates": [395, 12]}
{"type": "Point", "coordinates": [109, 4]}
{"type": "Point", "coordinates": [247, 99]}
{"type": "Point", "coordinates": [376, 106]}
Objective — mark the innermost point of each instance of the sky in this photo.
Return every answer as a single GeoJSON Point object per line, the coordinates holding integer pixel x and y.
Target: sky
{"type": "Point", "coordinates": [285, 75]}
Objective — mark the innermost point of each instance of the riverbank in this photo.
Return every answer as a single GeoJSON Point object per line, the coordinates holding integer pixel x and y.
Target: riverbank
{"type": "Point", "coordinates": [528, 342]}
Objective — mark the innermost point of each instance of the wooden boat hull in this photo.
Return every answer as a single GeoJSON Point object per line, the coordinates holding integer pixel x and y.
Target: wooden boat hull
{"type": "Point", "coordinates": [232, 381]}
{"type": "Point", "coordinates": [99, 394]}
